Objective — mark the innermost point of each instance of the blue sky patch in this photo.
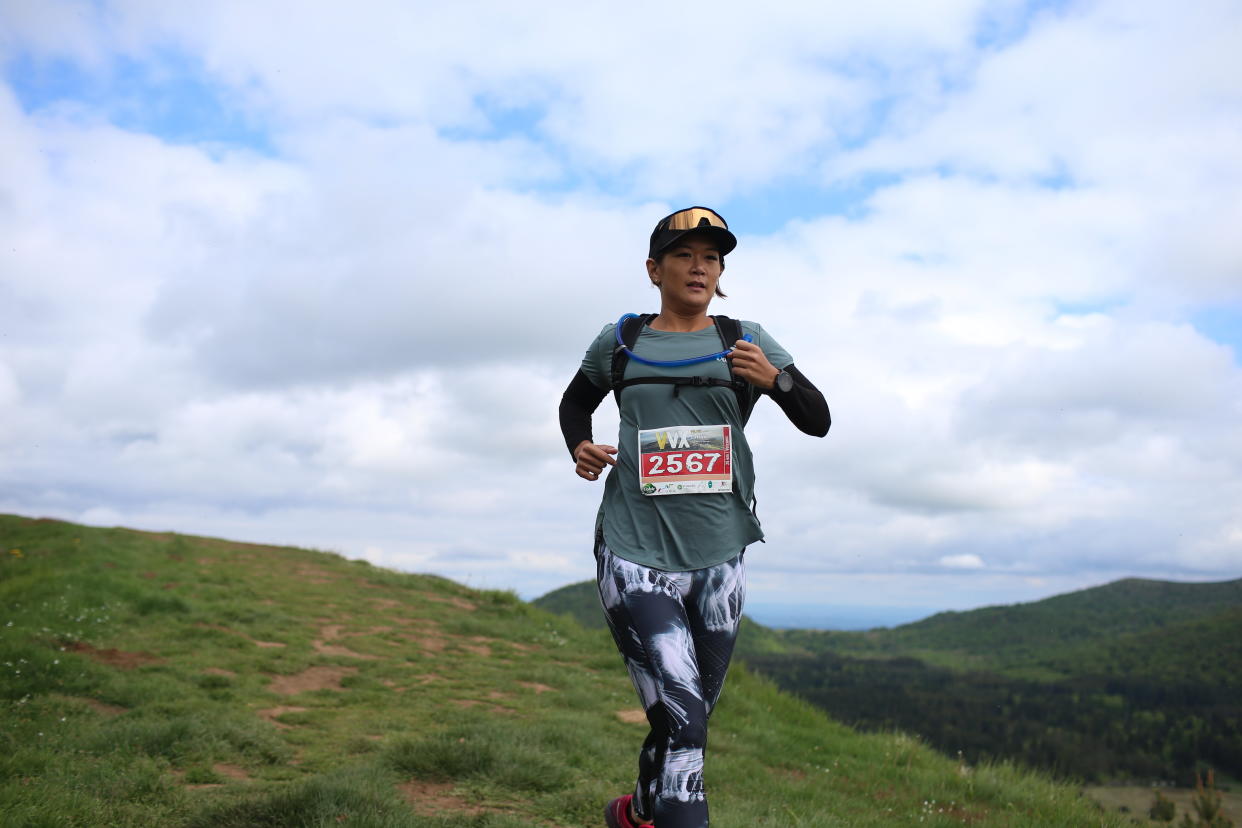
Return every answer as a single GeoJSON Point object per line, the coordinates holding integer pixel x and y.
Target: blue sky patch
{"type": "Point", "coordinates": [1006, 27]}
{"type": "Point", "coordinates": [502, 120]}
{"type": "Point", "coordinates": [770, 209]}
{"type": "Point", "coordinates": [168, 96]}
{"type": "Point", "coordinates": [1223, 324]}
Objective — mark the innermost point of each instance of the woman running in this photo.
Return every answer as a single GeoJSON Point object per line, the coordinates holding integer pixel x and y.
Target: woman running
{"type": "Point", "coordinates": [677, 515]}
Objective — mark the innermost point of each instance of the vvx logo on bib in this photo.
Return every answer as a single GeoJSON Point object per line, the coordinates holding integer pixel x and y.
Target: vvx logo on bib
{"type": "Point", "coordinates": [685, 460]}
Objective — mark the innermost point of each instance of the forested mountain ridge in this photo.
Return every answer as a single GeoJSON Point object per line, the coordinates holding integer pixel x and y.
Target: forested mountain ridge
{"type": "Point", "coordinates": [1063, 629]}
{"type": "Point", "coordinates": [1207, 649]}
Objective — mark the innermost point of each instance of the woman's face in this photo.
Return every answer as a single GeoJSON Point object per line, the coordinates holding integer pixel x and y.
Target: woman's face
{"type": "Point", "coordinates": [687, 273]}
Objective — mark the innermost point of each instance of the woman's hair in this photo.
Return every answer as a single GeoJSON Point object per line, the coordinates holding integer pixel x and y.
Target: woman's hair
{"type": "Point", "coordinates": [660, 256]}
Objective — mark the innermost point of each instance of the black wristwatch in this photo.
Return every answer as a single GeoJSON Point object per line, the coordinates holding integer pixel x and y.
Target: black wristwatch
{"type": "Point", "coordinates": [784, 382]}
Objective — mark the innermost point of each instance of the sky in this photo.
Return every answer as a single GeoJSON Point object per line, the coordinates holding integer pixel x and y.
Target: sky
{"type": "Point", "coordinates": [318, 273]}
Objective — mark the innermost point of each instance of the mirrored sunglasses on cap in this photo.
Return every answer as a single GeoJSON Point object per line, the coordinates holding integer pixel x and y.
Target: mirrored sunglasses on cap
{"type": "Point", "coordinates": [693, 217]}
{"type": "Point", "coordinates": [675, 225]}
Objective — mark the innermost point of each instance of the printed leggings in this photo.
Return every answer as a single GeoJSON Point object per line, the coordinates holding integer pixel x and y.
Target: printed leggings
{"type": "Point", "coordinates": [676, 632]}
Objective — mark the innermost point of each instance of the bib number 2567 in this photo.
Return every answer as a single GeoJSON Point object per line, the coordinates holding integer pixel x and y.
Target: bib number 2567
{"type": "Point", "coordinates": [685, 460]}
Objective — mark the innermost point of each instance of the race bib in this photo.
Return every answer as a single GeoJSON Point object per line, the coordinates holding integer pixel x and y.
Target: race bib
{"type": "Point", "coordinates": [685, 460]}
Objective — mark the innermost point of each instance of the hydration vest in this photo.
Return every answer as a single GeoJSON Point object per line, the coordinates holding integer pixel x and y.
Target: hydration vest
{"type": "Point", "coordinates": [730, 331]}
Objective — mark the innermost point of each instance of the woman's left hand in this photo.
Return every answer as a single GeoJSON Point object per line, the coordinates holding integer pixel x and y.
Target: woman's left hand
{"type": "Point", "coordinates": [751, 364]}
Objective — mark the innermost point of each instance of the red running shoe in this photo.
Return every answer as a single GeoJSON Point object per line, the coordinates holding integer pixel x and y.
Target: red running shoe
{"type": "Point", "coordinates": [617, 814]}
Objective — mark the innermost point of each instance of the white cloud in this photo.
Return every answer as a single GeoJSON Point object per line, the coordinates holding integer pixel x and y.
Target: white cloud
{"type": "Point", "coordinates": [358, 338]}
{"type": "Point", "coordinates": [650, 95]}
{"type": "Point", "coordinates": [1134, 104]}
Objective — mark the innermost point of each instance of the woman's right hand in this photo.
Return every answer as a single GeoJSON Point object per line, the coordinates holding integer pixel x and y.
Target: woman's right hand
{"type": "Point", "coordinates": [591, 458]}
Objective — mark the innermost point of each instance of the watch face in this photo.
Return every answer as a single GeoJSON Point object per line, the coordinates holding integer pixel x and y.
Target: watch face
{"type": "Point", "coordinates": [784, 382]}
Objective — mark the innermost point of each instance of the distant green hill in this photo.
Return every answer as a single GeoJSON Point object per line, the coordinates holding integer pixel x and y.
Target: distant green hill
{"type": "Point", "coordinates": [579, 601]}
{"type": "Point", "coordinates": [1040, 632]}
{"type": "Point", "coordinates": [1136, 679]}
{"type": "Point", "coordinates": [163, 679]}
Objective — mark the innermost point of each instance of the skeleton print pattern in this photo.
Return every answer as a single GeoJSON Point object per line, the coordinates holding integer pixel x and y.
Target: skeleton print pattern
{"type": "Point", "coordinates": [634, 579]}
{"type": "Point", "coordinates": [672, 653]}
{"type": "Point", "coordinates": [682, 779]}
{"type": "Point", "coordinates": [720, 601]}
{"type": "Point", "coordinates": [675, 631]}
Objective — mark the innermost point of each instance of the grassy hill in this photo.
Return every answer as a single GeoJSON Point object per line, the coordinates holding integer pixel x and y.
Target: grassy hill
{"type": "Point", "coordinates": [162, 679]}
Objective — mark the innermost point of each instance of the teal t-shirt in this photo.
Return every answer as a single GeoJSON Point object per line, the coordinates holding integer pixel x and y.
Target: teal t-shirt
{"type": "Point", "coordinates": [683, 531]}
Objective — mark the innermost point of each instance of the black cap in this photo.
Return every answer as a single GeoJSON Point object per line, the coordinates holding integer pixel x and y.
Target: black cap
{"type": "Point", "coordinates": [691, 220]}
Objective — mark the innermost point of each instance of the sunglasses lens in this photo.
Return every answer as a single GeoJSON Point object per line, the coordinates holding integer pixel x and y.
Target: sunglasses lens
{"type": "Point", "coordinates": [692, 218]}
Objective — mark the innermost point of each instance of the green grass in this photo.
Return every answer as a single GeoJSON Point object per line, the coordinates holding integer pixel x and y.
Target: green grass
{"type": "Point", "coordinates": [160, 679]}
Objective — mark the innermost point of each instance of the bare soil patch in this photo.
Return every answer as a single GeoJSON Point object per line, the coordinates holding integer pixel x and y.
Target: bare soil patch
{"type": "Point", "coordinates": [232, 631]}
{"type": "Point", "coordinates": [113, 657]}
{"type": "Point", "coordinates": [315, 574]}
{"type": "Point", "coordinates": [280, 710]}
{"type": "Point", "coordinates": [219, 671]}
{"type": "Point", "coordinates": [633, 716]}
{"type": "Point", "coordinates": [540, 688]}
{"type": "Point", "coordinates": [332, 632]}
{"type": "Point", "coordinates": [432, 798]}
{"type": "Point", "coordinates": [491, 708]}
{"type": "Point", "coordinates": [230, 771]}
{"type": "Point", "coordinates": [234, 772]}
{"type": "Point", "coordinates": [179, 775]}
{"type": "Point", "coordinates": [273, 714]}
{"type": "Point", "coordinates": [430, 640]}
{"type": "Point", "coordinates": [338, 650]}
{"type": "Point", "coordinates": [452, 600]}
{"type": "Point", "coordinates": [377, 630]}
{"type": "Point", "coordinates": [327, 677]}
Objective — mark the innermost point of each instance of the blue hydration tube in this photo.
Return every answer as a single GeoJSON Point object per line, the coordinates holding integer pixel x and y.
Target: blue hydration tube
{"type": "Point", "coordinates": [669, 363]}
